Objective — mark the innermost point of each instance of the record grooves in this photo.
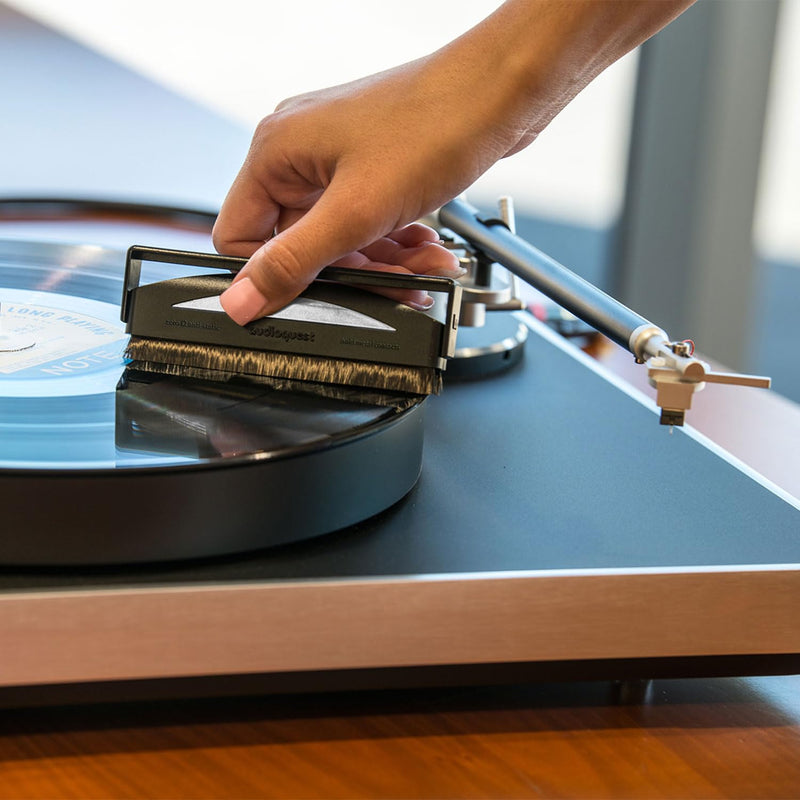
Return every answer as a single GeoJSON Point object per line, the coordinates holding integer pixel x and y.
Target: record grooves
{"type": "Point", "coordinates": [102, 466]}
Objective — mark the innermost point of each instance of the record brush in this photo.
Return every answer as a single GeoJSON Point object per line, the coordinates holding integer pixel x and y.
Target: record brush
{"type": "Point", "coordinates": [336, 333]}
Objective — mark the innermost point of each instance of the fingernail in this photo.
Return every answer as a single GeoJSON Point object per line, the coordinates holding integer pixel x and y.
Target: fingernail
{"type": "Point", "coordinates": [448, 272]}
{"type": "Point", "coordinates": [242, 301]}
{"type": "Point", "coordinates": [423, 305]}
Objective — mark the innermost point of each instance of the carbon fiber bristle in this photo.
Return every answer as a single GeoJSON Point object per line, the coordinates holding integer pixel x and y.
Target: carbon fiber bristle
{"type": "Point", "coordinates": [218, 362]}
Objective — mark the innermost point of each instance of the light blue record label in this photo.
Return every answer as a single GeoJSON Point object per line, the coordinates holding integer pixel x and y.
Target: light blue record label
{"type": "Point", "coordinates": [73, 345]}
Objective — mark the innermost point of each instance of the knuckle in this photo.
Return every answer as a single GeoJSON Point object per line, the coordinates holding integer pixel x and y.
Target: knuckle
{"type": "Point", "coordinates": [262, 130]}
{"type": "Point", "coordinates": [219, 237]}
{"type": "Point", "coordinates": [266, 129]}
{"type": "Point", "coordinates": [284, 268]}
{"type": "Point", "coordinates": [287, 103]}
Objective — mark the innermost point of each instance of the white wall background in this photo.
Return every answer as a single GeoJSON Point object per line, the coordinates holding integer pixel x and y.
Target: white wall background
{"type": "Point", "coordinates": [242, 57]}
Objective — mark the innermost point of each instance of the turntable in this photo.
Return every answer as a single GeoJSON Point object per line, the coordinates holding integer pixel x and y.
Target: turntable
{"type": "Point", "coordinates": [555, 528]}
{"type": "Point", "coordinates": [87, 435]}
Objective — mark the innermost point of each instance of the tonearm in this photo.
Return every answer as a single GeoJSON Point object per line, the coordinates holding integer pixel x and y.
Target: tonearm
{"type": "Point", "coordinates": [672, 367]}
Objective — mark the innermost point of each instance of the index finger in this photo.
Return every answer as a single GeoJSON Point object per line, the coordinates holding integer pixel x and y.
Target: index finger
{"type": "Point", "coordinates": [247, 218]}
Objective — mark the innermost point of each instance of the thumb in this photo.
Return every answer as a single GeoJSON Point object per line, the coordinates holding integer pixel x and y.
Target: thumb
{"type": "Point", "coordinates": [281, 268]}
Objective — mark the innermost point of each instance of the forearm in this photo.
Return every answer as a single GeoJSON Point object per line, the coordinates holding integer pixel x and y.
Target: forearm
{"type": "Point", "coordinates": [536, 55]}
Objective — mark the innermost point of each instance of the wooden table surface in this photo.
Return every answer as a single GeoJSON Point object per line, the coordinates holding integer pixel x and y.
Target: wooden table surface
{"type": "Point", "coordinates": [698, 738]}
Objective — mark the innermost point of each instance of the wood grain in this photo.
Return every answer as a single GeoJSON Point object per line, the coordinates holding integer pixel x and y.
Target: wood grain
{"type": "Point", "coordinates": [692, 738]}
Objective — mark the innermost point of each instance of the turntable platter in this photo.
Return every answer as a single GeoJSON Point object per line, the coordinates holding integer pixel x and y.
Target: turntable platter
{"type": "Point", "coordinates": [100, 466]}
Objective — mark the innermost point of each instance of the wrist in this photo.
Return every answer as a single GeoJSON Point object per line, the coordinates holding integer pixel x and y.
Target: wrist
{"type": "Point", "coordinates": [535, 55]}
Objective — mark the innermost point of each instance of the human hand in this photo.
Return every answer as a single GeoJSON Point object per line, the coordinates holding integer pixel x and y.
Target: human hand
{"type": "Point", "coordinates": [338, 176]}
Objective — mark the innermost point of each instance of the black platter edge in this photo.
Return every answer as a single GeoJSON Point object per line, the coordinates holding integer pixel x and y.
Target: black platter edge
{"type": "Point", "coordinates": [113, 517]}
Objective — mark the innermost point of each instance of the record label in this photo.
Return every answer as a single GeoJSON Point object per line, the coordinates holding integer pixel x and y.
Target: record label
{"type": "Point", "coordinates": [67, 335]}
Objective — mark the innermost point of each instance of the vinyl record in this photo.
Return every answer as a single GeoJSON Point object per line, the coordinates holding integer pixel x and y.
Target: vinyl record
{"type": "Point", "coordinates": [99, 465]}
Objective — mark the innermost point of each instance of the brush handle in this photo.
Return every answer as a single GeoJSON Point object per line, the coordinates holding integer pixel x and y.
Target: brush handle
{"type": "Point", "coordinates": [137, 254]}
{"type": "Point", "coordinates": [394, 280]}
{"type": "Point", "coordinates": [544, 273]}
